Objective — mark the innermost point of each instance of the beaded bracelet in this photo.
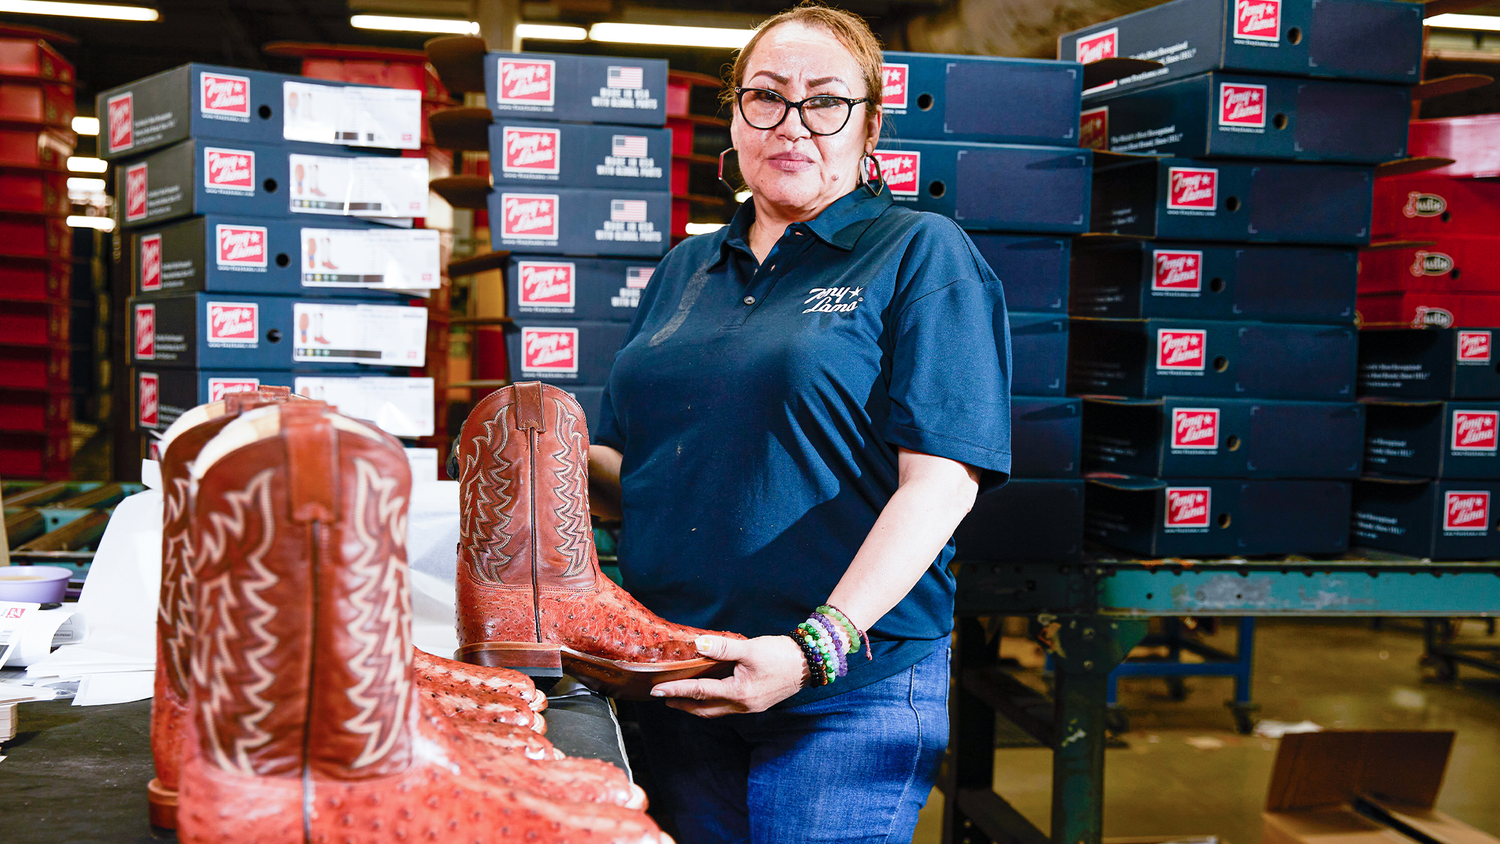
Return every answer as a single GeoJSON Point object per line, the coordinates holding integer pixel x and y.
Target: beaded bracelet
{"type": "Point", "coordinates": [826, 639]}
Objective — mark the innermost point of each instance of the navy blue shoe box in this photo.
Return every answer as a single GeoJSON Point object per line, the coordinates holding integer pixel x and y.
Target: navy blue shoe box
{"type": "Point", "coordinates": [1433, 439]}
{"type": "Point", "coordinates": [1180, 437]}
{"type": "Point", "coordinates": [1447, 519]}
{"type": "Point", "coordinates": [570, 221]}
{"type": "Point", "coordinates": [1218, 115]}
{"type": "Point", "coordinates": [1217, 517]}
{"type": "Point", "coordinates": [1374, 40]}
{"type": "Point", "coordinates": [569, 353]}
{"type": "Point", "coordinates": [1039, 354]}
{"type": "Point", "coordinates": [992, 187]}
{"type": "Point", "coordinates": [1156, 357]}
{"type": "Point", "coordinates": [1428, 363]}
{"type": "Point", "coordinates": [1032, 268]}
{"type": "Point", "coordinates": [1026, 101]}
{"type": "Point", "coordinates": [597, 289]}
{"type": "Point", "coordinates": [1036, 520]}
{"type": "Point", "coordinates": [533, 154]}
{"type": "Point", "coordinates": [1045, 436]}
{"type": "Point", "coordinates": [1137, 280]}
{"type": "Point", "coordinates": [1187, 199]}
{"type": "Point", "coordinates": [577, 89]}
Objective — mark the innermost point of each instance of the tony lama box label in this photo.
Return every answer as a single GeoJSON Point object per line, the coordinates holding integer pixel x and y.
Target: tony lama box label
{"type": "Point", "coordinates": [237, 249]}
{"type": "Point", "coordinates": [389, 259]}
{"type": "Point", "coordinates": [531, 153]}
{"type": "Point", "coordinates": [1195, 429]}
{"type": "Point", "coordinates": [225, 97]}
{"type": "Point", "coordinates": [1474, 432]}
{"type": "Point", "coordinates": [379, 335]}
{"type": "Point", "coordinates": [145, 332]}
{"type": "Point", "coordinates": [121, 111]}
{"type": "Point", "coordinates": [1242, 108]}
{"type": "Point", "coordinates": [1192, 191]}
{"type": "Point", "coordinates": [1187, 509]}
{"type": "Point", "coordinates": [358, 186]}
{"type": "Point", "coordinates": [624, 87]}
{"type": "Point", "coordinates": [148, 399]}
{"type": "Point", "coordinates": [902, 172]}
{"type": "Point", "coordinates": [529, 216]}
{"type": "Point", "coordinates": [136, 189]}
{"type": "Point", "coordinates": [1257, 23]}
{"type": "Point", "coordinates": [218, 388]}
{"type": "Point", "coordinates": [894, 87]}
{"type": "Point", "coordinates": [352, 115]}
{"type": "Point", "coordinates": [1181, 351]}
{"type": "Point", "coordinates": [1177, 272]}
{"type": "Point", "coordinates": [549, 351]}
{"type": "Point", "coordinates": [627, 158]}
{"type": "Point", "coordinates": [627, 223]}
{"type": "Point", "coordinates": [1093, 128]}
{"type": "Point", "coordinates": [546, 287]}
{"type": "Point", "coordinates": [233, 325]}
{"type": "Point", "coordinates": [150, 263]}
{"type": "Point", "coordinates": [526, 83]}
{"type": "Point", "coordinates": [228, 171]}
{"type": "Point", "coordinates": [1473, 347]}
{"type": "Point", "coordinates": [1104, 44]}
{"type": "Point", "coordinates": [1466, 511]}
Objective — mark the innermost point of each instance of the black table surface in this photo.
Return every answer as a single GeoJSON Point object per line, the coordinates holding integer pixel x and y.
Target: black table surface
{"type": "Point", "coordinates": [78, 774]}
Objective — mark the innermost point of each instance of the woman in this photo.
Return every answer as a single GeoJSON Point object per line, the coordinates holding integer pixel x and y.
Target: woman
{"type": "Point", "coordinates": [808, 403]}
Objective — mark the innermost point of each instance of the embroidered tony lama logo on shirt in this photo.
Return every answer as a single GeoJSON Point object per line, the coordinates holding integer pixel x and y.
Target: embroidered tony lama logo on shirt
{"type": "Point", "coordinates": [833, 300]}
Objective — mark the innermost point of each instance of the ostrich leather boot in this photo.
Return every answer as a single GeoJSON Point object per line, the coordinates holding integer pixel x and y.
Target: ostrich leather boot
{"type": "Point", "coordinates": [306, 725]}
{"type": "Point", "coordinates": [530, 592]}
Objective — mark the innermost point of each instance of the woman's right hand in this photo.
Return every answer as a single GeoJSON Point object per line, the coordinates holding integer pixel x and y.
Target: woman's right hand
{"type": "Point", "coordinates": [604, 483]}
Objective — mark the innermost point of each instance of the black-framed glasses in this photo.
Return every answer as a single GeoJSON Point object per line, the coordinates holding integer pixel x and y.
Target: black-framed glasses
{"type": "Point", "coordinates": [823, 114]}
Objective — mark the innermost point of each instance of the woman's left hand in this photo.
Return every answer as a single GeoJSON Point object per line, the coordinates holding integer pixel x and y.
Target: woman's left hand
{"type": "Point", "coordinates": [767, 670]}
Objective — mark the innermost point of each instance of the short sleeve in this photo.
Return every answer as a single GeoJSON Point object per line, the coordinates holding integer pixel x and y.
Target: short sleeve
{"type": "Point", "coordinates": [950, 358]}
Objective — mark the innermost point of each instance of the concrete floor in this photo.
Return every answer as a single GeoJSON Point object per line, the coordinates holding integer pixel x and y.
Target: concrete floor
{"type": "Point", "coordinates": [1187, 772]}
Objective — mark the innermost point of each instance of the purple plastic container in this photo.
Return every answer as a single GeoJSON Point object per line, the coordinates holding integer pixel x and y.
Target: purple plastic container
{"type": "Point", "coordinates": [33, 584]}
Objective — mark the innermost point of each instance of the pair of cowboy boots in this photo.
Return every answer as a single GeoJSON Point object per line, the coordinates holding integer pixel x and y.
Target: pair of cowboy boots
{"type": "Point", "coordinates": [305, 721]}
{"type": "Point", "coordinates": [530, 595]}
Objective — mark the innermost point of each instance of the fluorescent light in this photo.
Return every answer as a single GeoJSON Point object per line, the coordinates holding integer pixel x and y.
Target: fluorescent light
{"type": "Point", "coordinates": [551, 32]}
{"type": "Point", "coordinates": [103, 224]}
{"type": "Point", "coordinates": [1488, 23]}
{"type": "Point", "coordinates": [107, 11]}
{"type": "Point", "coordinates": [87, 165]}
{"type": "Point", "coordinates": [703, 228]}
{"type": "Point", "coordinates": [86, 185]}
{"type": "Point", "coordinates": [394, 23]}
{"type": "Point", "coordinates": [86, 125]}
{"type": "Point", "coordinates": [675, 36]}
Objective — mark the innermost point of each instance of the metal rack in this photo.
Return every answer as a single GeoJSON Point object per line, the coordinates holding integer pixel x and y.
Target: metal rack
{"type": "Point", "coordinates": [1092, 613]}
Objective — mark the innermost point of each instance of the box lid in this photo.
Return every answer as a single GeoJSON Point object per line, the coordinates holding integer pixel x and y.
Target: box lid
{"type": "Point", "coordinates": [1337, 766]}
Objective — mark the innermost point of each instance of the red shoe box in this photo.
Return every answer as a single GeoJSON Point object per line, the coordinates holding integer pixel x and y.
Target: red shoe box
{"type": "Point", "coordinates": [1423, 309]}
{"type": "Point", "coordinates": [36, 281]}
{"type": "Point", "coordinates": [1472, 142]}
{"type": "Point", "coordinates": [34, 192]}
{"type": "Point", "coordinates": [35, 323]}
{"type": "Point", "coordinates": [413, 74]}
{"type": "Point", "coordinates": [1451, 265]}
{"type": "Point", "coordinates": [1425, 206]}
{"type": "Point", "coordinates": [34, 101]}
{"type": "Point", "coordinates": [47, 456]}
{"type": "Point", "coordinates": [35, 237]}
{"type": "Point", "coordinates": [35, 411]}
{"type": "Point", "coordinates": [35, 59]}
{"type": "Point", "coordinates": [34, 368]}
{"type": "Point", "coordinates": [37, 149]}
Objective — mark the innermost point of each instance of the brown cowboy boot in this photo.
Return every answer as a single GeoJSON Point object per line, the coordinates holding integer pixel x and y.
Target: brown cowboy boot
{"type": "Point", "coordinates": [306, 724]}
{"type": "Point", "coordinates": [530, 592]}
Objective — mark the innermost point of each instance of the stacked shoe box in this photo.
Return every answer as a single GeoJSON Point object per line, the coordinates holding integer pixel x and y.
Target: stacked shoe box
{"type": "Point", "coordinates": [266, 226]}
{"type": "Point", "coordinates": [1218, 347]}
{"type": "Point", "coordinates": [36, 139]}
{"type": "Point", "coordinates": [1012, 175]}
{"type": "Point", "coordinates": [581, 199]}
{"type": "Point", "coordinates": [1430, 303]}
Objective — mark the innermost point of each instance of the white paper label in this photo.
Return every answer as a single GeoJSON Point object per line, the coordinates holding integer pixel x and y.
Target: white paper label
{"type": "Point", "coordinates": [387, 259]}
{"type": "Point", "coordinates": [402, 407]}
{"type": "Point", "coordinates": [352, 115]}
{"type": "Point", "coordinates": [379, 335]}
{"type": "Point", "coordinates": [358, 187]}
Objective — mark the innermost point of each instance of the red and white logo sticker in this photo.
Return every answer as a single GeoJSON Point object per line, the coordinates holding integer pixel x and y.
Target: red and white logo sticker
{"type": "Point", "coordinates": [1473, 347]}
{"type": "Point", "coordinates": [893, 86]}
{"type": "Point", "coordinates": [531, 150]}
{"type": "Point", "coordinates": [145, 332]}
{"type": "Point", "coordinates": [1467, 510]}
{"type": "Point", "coordinates": [241, 246]}
{"type": "Point", "coordinates": [1474, 430]}
{"type": "Point", "coordinates": [1104, 44]}
{"type": "Point", "coordinates": [1093, 128]}
{"type": "Point", "coordinates": [1242, 105]}
{"type": "Point", "coordinates": [225, 95]}
{"type": "Point", "coordinates": [529, 216]}
{"type": "Point", "coordinates": [1420, 204]}
{"type": "Point", "coordinates": [235, 323]}
{"type": "Point", "coordinates": [148, 400]}
{"type": "Point", "coordinates": [1195, 428]}
{"type": "Point", "coordinates": [120, 112]}
{"type": "Point", "coordinates": [548, 284]}
{"type": "Point", "coordinates": [1181, 348]}
{"type": "Point", "coordinates": [150, 262]}
{"type": "Point", "coordinates": [1177, 270]}
{"type": "Point", "coordinates": [229, 169]}
{"type": "Point", "coordinates": [549, 349]}
{"type": "Point", "coordinates": [1187, 506]}
{"type": "Point", "coordinates": [526, 82]}
{"type": "Point", "coordinates": [902, 171]}
{"type": "Point", "coordinates": [218, 388]}
{"type": "Point", "coordinates": [136, 185]}
{"type": "Point", "coordinates": [1192, 189]}
{"type": "Point", "coordinates": [1257, 20]}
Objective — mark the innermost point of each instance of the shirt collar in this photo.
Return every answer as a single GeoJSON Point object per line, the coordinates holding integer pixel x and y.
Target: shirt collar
{"type": "Point", "coordinates": [840, 225]}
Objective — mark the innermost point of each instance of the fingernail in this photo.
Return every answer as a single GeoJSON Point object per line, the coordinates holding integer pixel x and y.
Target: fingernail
{"type": "Point", "coordinates": [658, 693]}
{"type": "Point", "coordinates": [703, 643]}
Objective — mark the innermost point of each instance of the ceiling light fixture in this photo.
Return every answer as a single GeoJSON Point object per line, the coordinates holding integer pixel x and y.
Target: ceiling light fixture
{"type": "Point", "coordinates": [79, 164]}
{"type": "Point", "coordinates": [85, 185]}
{"type": "Point", "coordinates": [86, 125]}
{"type": "Point", "coordinates": [551, 32]}
{"type": "Point", "coordinates": [1486, 23]}
{"type": "Point", "coordinates": [103, 224]}
{"type": "Point", "coordinates": [396, 23]}
{"type": "Point", "coordinates": [105, 11]}
{"type": "Point", "coordinates": [672, 36]}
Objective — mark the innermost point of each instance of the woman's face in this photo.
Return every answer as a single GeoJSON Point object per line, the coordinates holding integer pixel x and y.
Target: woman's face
{"type": "Point", "coordinates": [791, 171]}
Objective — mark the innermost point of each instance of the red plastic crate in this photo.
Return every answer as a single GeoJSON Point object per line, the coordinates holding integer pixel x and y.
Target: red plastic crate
{"type": "Point", "coordinates": [35, 280]}
{"type": "Point", "coordinates": [34, 323]}
{"type": "Point", "coordinates": [47, 456]}
{"type": "Point", "coordinates": [33, 58]}
{"type": "Point", "coordinates": [682, 214]}
{"type": "Point", "coordinates": [1420, 309]}
{"type": "Point", "coordinates": [1472, 142]}
{"type": "Point", "coordinates": [34, 192]}
{"type": "Point", "coordinates": [35, 367]}
{"type": "Point", "coordinates": [35, 149]}
{"type": "Point", "coordinates": [36, 101]}
{"type": "Point", "coordinates": [35, 237]}
{"type": "Point", "coordinates": [41, 411]}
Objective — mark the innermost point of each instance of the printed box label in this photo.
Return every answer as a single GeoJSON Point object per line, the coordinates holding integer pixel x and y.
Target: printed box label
{"type": "Point", "coordinates": [549, 350]}
{"type": "Point", "coordinates": [1466, 511]}
{"type": "Point", "coordinates": [1177, 271]}
{"type": "Point", "coordinates": [545, 285]}
{"type": "Point", "coordinates": [893, 86]}
{"type": "Point", "coordinates": [150, 263]}
{"type": "Point", "coordinates": [121, 115]}
{"type": "Point", "coordinates": [526, 82]}
{"type": "Point", "coordinates": [1192, 189]}
{"type": "Point", "coordinates": [902, 171]}
{"type": "Point", "coordinates": [145, 332]}
{"type": "Point", "coordinates": [233, 324]}
{"type": "Point", "coordinates": [1474, 430]}
{"type": "Point", "coordinates": [1187, 507]}
{"type": "Point", "coordinates": [1181, 349]}
{"type": "Point", "coordinates": [148, 399]}
{"type": "Point", "coordinates": [241, 247]}
{"type": "Point", "coordinates": [1195, 428]}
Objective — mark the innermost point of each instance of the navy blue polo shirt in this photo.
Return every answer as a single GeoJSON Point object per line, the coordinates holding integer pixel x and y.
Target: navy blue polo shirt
{"type": "Point", "coordinates": [759, 408]}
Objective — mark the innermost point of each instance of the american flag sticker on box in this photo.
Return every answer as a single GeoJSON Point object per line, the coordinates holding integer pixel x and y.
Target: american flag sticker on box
{"type": "Point", "coordinates": [628, 146]}
{"type": "Point", "coordinates": [627, 210]}
{"type": "Point", "coordinates": [636, 278]}
{"type": "Point", "coordinates": [621, 76]}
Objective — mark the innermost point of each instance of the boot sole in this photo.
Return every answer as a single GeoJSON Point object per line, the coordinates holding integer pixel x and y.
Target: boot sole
{"type": "Point", "coordinates": [617, 678]}
{"type": "Point", "coordinates": [163, 805]}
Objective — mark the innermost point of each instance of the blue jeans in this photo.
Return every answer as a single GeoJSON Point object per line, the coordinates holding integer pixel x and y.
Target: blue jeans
{"type": "Point", "coordinates": [855, 767]}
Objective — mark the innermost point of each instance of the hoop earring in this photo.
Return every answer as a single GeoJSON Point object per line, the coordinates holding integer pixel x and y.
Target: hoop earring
{"type": "Point", "coordinates": [869, 164]}
{"type": "Point", "coordinates": [723, 181]}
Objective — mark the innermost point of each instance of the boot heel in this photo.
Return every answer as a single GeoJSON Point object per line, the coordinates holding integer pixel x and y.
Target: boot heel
{"type": "Point", "coordinates": [540, 661]}
{"type": "Point", "coordinates": [163, 804]}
